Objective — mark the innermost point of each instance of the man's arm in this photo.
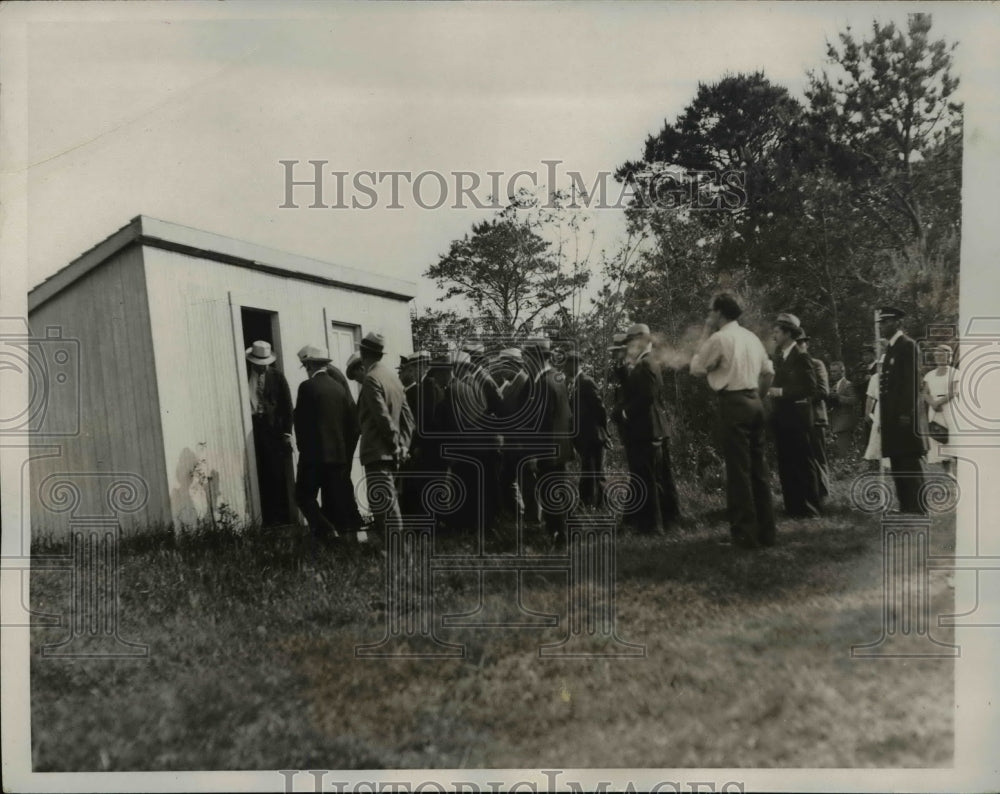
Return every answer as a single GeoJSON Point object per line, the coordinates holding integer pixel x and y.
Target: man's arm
{"type": "Point", "coordinates": [708, 357]}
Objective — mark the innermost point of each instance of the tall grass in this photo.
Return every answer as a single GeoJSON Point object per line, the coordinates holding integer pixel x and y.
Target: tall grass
{"type": "Point", "coordinates": [252, 635]}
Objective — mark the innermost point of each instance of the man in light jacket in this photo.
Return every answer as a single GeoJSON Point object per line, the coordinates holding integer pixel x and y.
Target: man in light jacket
{"type": "Point", "coordinates": [386, 429]}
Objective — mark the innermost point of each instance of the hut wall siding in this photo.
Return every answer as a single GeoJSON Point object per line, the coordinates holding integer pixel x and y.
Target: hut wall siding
{"type": "Point", "coordinates": [119, 430]}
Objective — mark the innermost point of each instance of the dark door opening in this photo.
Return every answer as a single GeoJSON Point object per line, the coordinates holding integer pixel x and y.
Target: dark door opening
{"type": "Point", "coordinates": [270, 408]}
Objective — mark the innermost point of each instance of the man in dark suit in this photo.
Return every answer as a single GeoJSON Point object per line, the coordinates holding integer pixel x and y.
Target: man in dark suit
{"type": "Point", "coordinates": [515, 500]}
{"type": "Point", "coordinates": [899, 404]}
{"type": "Point", "coordinates": [549, 404]}
{"type": "Point", "coordinates": [647, 435]}
{"type": "Point", "coordinates": [792, 394]}
{"type": "Point", "coordinates": [271, 414]}
{"type": "Point", "coordinates": [326, 431]}
{"type": "Point", "coordinates": [821, 420]}
{"type": "Point", "coordinates": [453, 420]}
{"type": "Point", "coordinates": [422, 395]}
{"type": "Point", "coordinates": [590, 430]}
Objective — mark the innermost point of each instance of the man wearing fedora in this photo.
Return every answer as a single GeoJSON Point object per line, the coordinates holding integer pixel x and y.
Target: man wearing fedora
{"type": "Point", "coordinates": [331, 369]}
{"type": "Point", "coordinates": [647, 435]}
{"type": "Point", "coordinates": [271, 413]}
{"type": "Point", "coordinates": [326, 431]}
{"type": "Point", "coordinates": [792, 394]}
{"type": "Point", "coordinates": [550, 411]}
{"type": "Point", "coordinates": [899, 407]}
{"type": "Point", "coordinates": [821, 420]}
{"type": "Point", "coordinates": [590, 430]}
{"type": "Point", "coordinates": [386, 429]}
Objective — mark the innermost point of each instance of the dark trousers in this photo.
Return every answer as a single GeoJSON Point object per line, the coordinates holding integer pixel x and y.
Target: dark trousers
{"type": "Point", "coordinates": [274, 470]}
{"type": "Point", "coordinates": [553, 480]}
{"type": "Point", "coordinates": [333, 482]}
{"type": "Point", "coordinates": [908, 474]}
{"type": "Point", "coordinates": [817, 445]}
{"type": "Point", "coordinates": [649, 462]}
{"type": "Point", "coordinates": [748, 492]}
{"type": "Point", "coordinates": [383, 500]}
{"type": "Point", "coordinates": [592, 479]}
{"type": "Point", "coordinates": [796, 471]}
{"type": "Point", "coordinates": [511, 502]}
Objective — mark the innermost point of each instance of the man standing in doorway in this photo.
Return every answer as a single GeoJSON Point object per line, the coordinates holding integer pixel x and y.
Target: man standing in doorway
{"type": "Point", "coordinates": [271, 412]}
{"type": "Point", "coordinates": [386, 428]}
{"type": "Point", "coordinates": [899, 405]}
{"type": "Point", "coordinates": [740, 373]}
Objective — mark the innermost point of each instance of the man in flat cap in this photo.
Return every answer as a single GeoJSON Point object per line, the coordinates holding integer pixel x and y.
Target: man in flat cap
{"type": "Point", "coordinates": [271, 413]}
{"type": "Point", "coordinates": [792, 394]}
{"type": "Point", "coordinates": [647, 435]}
{"type": "Point", "coordinates": [386, 428]}
{"type": "Point", "coordinates": [739, 371]}
{"type": "Point", "coordinates": [590, 430]}
{"type": "Point", "coordinates": [326, 431]}
{"type": "Point", "coordinates": [899, 389]}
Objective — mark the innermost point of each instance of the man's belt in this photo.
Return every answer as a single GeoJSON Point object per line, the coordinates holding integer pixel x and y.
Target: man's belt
{"type": "Point", "coordinates": [741, 392]}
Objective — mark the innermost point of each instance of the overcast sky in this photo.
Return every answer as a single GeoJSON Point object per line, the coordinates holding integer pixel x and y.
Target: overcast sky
{"type": "Point", "coordinates": [182, 112]}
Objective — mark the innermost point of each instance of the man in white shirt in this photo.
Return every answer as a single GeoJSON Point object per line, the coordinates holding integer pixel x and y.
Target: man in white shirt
{"type": "Point", "coordinates": [739, 372]}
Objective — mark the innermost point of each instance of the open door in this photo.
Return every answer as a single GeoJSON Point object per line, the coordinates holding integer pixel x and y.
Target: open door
{"type": "Point", "coordinates": [269, 466]}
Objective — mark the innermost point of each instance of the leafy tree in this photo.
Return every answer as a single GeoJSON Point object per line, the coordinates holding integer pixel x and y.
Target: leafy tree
{"type": "Point", "coordinates": [885, 120]}
{"type": "Point", "coordinates": [508, 272]}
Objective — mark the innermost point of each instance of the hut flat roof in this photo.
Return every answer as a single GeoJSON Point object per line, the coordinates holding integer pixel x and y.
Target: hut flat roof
{"type": "Point", "coordinates": [146, 231]}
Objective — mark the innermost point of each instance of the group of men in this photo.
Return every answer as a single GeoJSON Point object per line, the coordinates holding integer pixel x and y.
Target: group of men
{"type": "Point", "coordinates": [797, 389]}
{"type": "Point", "coordinates": [500, 430]}
{"type": "Point", "coordinates": [328, 426]}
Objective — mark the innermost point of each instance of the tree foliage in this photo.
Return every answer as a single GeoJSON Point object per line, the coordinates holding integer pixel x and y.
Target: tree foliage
{"type": "Point", "coordinates": [509, 274]}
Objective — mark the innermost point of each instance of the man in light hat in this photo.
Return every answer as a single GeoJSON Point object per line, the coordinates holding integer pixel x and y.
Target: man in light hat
{"type": "Point", "coordinates": [821, 420]}
{"type": "Point", "coordinates": [326, 431]}
{"type": "Point", "coordinates": [647, 436]}
{"type": "Point", "coordinates": [899, 406]}
{"type": "Point", "coordinates": [271, 413]}
{"type": "Point", "coordinates": [386, 428]}
{"type": "Point", "coordinates": [792, 394]}
{"type": "Point", "coordinates": [738, 370]}
{"type": "Point", "coordinates": [331, 368]}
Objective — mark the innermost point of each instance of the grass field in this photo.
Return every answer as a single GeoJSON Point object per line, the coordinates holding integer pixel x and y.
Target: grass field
{"type": "Point", "coordinates": [252, 661]}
